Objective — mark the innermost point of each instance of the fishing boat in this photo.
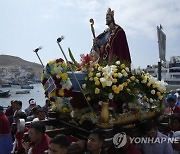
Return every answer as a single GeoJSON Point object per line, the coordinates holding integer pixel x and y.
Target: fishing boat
{"type": "Point", "coordinates": [23, 92]}
{"type": "Point", "coordinates": [4, 93]}
{"type": "Point", "coordinates": [27, 87]}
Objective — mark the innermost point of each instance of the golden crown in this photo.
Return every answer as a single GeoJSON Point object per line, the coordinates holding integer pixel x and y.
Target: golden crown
{"type": "Point", "coordinates": [110, 12]}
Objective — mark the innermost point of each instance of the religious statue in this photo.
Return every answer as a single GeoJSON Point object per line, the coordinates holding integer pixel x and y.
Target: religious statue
{"type": "Point", "coordinates": [112, 43]}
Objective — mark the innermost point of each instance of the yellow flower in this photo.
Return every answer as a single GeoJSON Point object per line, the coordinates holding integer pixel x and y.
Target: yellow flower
{"type": "Point", "coordinates": [96, 65]}
{"type": "Point", "coordinates": [115, 75]}
{"type": "Point", "coordinates": [144, 97]}
{"type": "Point", "coordinates": [103, 84]}
{"type": "Point", "coordinates": [86, 78]}
{"type": "Point", "coordinates": [64, 65]}
{"type": "Point", "coordinates": [51, 62]}
{"type": "Point", "coordinates": [114, 80]}
{"type": "Point", "coordinates": [128, 90]}
{"type": "Point", "coordinates": [96, 79]}
{"type": "Point", "coordinates": [52, 71]}
{"type": "Point", "coordinates": [114, 87]}
{"type": "Point", "coordinates": [97, 91]}
{"type": "Point", "coordinates": [154, 85]}
{"type": "Point", "coordinates": [90, 74]}
{"type": "Point", "coordinates": [116, 90]}
{"type": "Point", "coordinates": [65, 109]}
{"type": "Point", "coordinates": [97, 83]}
{"type": "Point", "coordinates": [125, 84]}
{"type": "Point", "coordinates": [52, 94]}
{"type": "Point", "coordinates": [132, 78]}
{"type": "Point", "coordinates": [120, 87]}
{"type": "Point", "coordinates": [123, 71]}
{"type": "Point", "coordinates": [61, 92]}
{"type": "Point", "coordinates": [148, 84]}
{"type": "Point", "coordinates": [64, 76]}
{"type": "Point", "coordinates": [158, 93]}
{"type": "Point", "coordinates": [122, 66]}
{"type": "Point", "coordinates": [128, 81]}
{"type": "Point", "coordinates": [55, 64]}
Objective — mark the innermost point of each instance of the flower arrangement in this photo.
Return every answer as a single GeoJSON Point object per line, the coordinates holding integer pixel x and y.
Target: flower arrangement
{"type": "Point", "coordinates": [110, 83]}
{"type": "Point", "coordinates": [86, 62]}
{"type": "Point", "coordinates": [151, 89]}
{"type": "Point", "coordinates": [57, 84]}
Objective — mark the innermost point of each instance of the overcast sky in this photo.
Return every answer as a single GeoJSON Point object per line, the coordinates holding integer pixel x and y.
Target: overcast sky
{"type": "Point", "coordinates": [28, 24]}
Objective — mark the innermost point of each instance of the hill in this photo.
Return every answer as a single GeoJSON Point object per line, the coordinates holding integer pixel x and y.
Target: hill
{"type": "Point", "coordinates": [15, 65]}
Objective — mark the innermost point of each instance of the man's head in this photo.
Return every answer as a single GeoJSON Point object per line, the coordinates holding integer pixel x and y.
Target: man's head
{"type": "Point", "coordinates": [32, 103]}
{"type": "Point", "coordinates": [41, 115]}
{"type": "Point", "coordinates": [58, 145]}
{"type": "Point", "coordinates": [19, 115]}
{"type": "Point", "coordinates": [36, 131]}
{"type": "Point", "coordinates": [175, 122]}
{"type": "Point", "coordinates": [149, 128]}
{"type": "Point", "coordinates": [110, 17]}
{"type": "Point", "coordinates": [95, 140]}
{"type": "Point", "coordinates": [18, 105]}
{"type": "Point", "coordinates": [171, 102]}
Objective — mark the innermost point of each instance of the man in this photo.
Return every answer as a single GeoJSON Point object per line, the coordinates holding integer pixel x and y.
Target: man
{"type": "Point", "coordinates": [58, 145]}
{"type": "Point", "coordinates": [95, 142]}
{"type": "Point", "coordinates": [5, 133]}
{"type": "Point", "coordinates": [172, 105]}
{"type": "Point", "coordinates": [32, 103]}
{"type": "Point", "coordinates": [158, 142]}
{"type": "Point", "coordinates": [41, 115]}
{"type": "Point", "coordinates": [18, 148]}
{"type": "Point", "coordinates": [112, 43]}
{"type": "Point", "coordinates": [39, 140]}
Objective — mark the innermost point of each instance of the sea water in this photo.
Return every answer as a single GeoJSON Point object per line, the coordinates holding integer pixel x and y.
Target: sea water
{"type": "Point", "coordinates": [37, 93]}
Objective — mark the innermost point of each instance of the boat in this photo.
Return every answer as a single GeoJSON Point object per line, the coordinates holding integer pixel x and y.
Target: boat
{"type": "Point", "coordinates": [170, 71]}
{"type": "Point", "coordinates": [23, 92]}
{"type": "Point", "coordinates": [5, 85]}
{"type": "Point", "coordinates": [4, 93]}
{"type": "Point", "coordinates": [27, 87]}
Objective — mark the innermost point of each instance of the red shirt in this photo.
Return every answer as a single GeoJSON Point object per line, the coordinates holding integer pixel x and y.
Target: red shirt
{"type": "Point", "coordinates": [42, 146]}
{"type": "Point", "coordinates": [19, 137]}
{"type": "Point", "coordinates": [4, 124]}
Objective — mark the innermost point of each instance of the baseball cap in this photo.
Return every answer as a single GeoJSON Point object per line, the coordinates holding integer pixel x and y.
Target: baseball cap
{"type": "Point", "coordinates": [32, 102]}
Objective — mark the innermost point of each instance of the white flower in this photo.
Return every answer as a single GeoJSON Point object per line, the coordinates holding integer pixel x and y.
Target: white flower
{"type": "Point", "coordinates": [108, 83]}
{"type": "Point", "coordinates": [127, 69]}
{"type": "Point", "coordinates": [125, 74]}
{"type": "Point", "coordinates": [151, 100]}
{"type": "Point", "coordinates": [120, 75]}
{"type": "Point", "coordinates": [118, 62]}
{"type": "Point", "coordinates": [98, 74]}
{"type": "Point", "coordinates": [153, 92]}
{"type": "Point", "coordinates": [68, 84]}
{"type": "Point", "coordinates": [84, 86]}
{"type": "Point", "coordinates": [104, 80]}
{"type": "Point", "coordinates": [91, 79]}
{"type": "Point", "coordinates": [111, 96]}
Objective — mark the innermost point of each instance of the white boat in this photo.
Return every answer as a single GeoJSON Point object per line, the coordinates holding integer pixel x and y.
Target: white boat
{"type": "Point", "coordinates": [170, 71]}
{"type": "Point", "coordinates": [23, 92]}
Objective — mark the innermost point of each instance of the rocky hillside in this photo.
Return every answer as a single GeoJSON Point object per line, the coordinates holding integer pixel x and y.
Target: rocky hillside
{"type": "Point", "coordinates": [11, 66]}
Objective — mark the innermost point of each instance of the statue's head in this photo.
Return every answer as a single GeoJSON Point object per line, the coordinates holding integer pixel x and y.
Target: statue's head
{"type": "Point", "coordinates": [110, 16]}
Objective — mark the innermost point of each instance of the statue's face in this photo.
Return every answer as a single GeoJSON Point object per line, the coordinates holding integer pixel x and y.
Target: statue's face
{"type": "Point", "coordinates": [109, 19]}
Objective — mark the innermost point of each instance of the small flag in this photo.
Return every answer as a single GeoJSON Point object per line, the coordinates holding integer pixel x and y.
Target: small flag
{"type": "Point", "coordinates": [50, 85]}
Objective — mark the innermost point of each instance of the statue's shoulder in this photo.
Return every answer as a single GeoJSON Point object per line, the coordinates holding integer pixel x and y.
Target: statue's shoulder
{"type": "Point", "coordinates": [106, 30]}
